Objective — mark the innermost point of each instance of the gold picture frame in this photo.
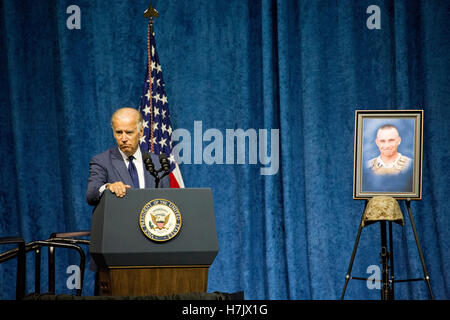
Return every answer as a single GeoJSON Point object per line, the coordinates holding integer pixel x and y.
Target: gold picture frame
{"type": "Point", "coordinates": [388, 151]}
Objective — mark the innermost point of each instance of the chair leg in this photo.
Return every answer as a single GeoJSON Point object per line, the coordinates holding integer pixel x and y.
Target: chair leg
{"type": "Point", "coordinates": [51, 270]}
{"type": "Point", "coordinates": [21, 272]}
{"type": "Point", "coordinates": [70, 238]}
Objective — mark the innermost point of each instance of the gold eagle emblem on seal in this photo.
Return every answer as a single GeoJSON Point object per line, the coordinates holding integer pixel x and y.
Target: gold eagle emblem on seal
{"type": "Point", "coordinates": [160, 220]}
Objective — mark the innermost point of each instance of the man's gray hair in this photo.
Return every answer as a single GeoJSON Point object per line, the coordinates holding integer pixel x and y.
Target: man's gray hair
{"type": "Point", "coordinates": [120, 111]}
{"type": "Point", "coordinates": [388, 126]}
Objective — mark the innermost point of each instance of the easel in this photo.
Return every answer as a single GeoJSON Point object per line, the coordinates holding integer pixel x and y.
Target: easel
{"type": "Point", "coordinates": [387, 258]}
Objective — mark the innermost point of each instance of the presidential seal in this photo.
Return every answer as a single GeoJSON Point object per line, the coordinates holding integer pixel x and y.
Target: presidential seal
{"type": "Point", "coordinates": [160, 220]}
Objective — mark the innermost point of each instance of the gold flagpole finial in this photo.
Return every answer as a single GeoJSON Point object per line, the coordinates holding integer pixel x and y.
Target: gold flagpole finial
{"type": "Point", "coordinates": [151, 12]}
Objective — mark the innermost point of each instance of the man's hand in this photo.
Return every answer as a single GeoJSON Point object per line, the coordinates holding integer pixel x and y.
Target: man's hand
{"type": "Point", "coordinates": [118, 188]}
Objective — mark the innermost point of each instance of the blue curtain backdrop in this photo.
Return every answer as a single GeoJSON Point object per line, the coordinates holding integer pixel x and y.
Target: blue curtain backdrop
{"type": "Point", "coordinates": [302, 67]}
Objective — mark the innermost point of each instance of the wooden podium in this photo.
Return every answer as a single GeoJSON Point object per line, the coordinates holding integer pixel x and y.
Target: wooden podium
{"type": "Point", "coordinates": [130, 263]}
{"type": "Point", "coordinates": [154, 281]}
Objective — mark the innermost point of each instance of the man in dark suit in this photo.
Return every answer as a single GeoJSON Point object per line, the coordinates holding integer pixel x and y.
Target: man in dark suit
{"type": "Point", "coordinates": [121, 168]}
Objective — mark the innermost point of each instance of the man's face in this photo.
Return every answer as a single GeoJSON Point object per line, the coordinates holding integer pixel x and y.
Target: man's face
{"type": "Point", "coordinates": [388, 141]}
{"type": "Point", "coordinates": [127, 134]}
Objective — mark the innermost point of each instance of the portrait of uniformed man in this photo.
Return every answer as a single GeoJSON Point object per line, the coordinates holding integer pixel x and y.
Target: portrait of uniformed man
{"type": "Point", "coordinates": [389, 161]}
{"type": "Point", "coordinates": [387, 154]}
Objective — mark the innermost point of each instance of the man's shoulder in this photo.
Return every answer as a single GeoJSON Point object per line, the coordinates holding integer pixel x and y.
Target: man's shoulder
{"type": "Point", "coordinates": [404, 162]}
{"type": "Point", "coordinates": [104, 155]}
{"type": "Point", "coordinates": [372, 162]}
{"type": "Point", "coordinates": [404, 159]}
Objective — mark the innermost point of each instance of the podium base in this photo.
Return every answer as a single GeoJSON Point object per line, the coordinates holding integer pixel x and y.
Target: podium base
{"type": "Point", "coordinates": [156, 281]}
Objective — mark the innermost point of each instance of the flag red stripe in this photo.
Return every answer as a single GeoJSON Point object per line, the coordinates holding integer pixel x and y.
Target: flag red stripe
{"type": "Point", "coordinates": [173, 181]}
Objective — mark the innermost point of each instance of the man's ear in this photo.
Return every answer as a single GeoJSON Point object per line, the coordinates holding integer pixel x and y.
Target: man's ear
{"type": "Point", "coordinates": [376, 142]}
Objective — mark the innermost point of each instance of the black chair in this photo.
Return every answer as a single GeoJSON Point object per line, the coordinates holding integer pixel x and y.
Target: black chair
{"type": "Point", "coordinates": [37, 245]}
{"type": "Point", "coordinates": [72, 238]}
{"type": "Point", "coordinates": [18, 252]}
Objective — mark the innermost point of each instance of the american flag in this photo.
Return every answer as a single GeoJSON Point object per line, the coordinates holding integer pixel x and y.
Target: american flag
{"type": "Point", "coordinates": [155, 113]}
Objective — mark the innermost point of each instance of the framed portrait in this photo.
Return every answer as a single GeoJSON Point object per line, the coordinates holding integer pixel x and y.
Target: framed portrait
{"type": "Point", "coordinates": [388, 154]}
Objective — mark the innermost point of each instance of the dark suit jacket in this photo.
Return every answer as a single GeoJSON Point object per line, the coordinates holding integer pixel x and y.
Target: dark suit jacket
{"type": "Point", "coordinates": [109, 167]}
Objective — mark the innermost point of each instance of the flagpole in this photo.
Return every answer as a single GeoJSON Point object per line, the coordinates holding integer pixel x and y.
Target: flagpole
{"type": "Point", "coordinates": [150, 13]}
{"type": "Point", "coordinates": [157, 137]}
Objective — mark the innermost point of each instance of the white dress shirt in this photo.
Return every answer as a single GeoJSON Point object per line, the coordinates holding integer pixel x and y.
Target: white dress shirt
{"type": "Point", "coordinates": [138, 163]}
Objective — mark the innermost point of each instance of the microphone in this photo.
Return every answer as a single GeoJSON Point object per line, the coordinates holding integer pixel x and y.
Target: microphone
{"type": "Point", "coordinates": [148, 163]}
{"type": "Point", "coordinates": [165, 165]}
{"type": "Point", "coordinates": [147, 159]}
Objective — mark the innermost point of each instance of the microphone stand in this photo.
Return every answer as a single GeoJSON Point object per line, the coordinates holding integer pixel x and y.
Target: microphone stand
{"type": "Point", "coordinates": [155, 173]}
{"type": "Point", "coordinates": [158, 178]}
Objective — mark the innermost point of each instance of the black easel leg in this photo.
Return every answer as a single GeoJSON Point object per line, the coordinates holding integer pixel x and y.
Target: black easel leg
{"type": "Point", "coordinates": [391, 263]}
{"type": "Point", "coordinates": [427, 278]}
{"type": "Point", "coordinates": [355, 247]}
{"type": "Point", "coordinates": [384, 254]}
